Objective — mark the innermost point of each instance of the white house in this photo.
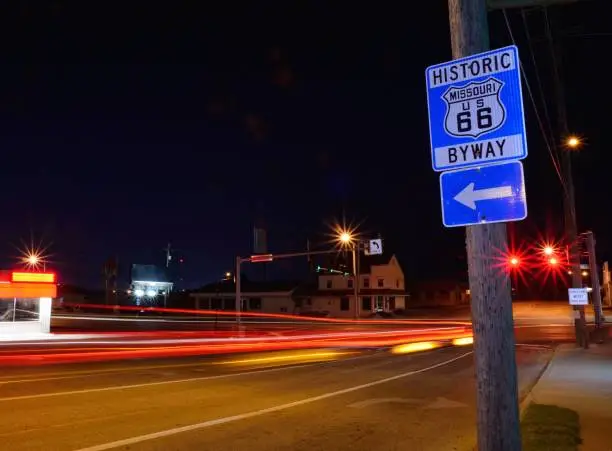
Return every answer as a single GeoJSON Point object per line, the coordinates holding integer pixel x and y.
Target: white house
{"type": "Point", "coordinates": [381, 289]}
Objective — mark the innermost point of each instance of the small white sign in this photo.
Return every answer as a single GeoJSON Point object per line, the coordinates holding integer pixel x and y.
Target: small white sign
{"type": "Point", "coordinates": [374, 247]}
{"type": "Point", "coordinates": [578, 296]}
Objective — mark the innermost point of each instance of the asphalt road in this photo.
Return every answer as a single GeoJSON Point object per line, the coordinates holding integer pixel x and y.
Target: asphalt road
{"type": "Point", "coordinates": [360, 400]}
{"type": "Point", "coordinates": [525, 314]}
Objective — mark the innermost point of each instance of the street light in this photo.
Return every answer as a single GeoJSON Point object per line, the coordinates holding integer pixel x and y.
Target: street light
{"type": "Point", "coordinates": [345, 238]}
{"type": "Point", "coordinates": [348, 240]}
{"type": "Point", "coordinates": [573, 142]}
{"type": "Point", "coordinates": [32, 259]}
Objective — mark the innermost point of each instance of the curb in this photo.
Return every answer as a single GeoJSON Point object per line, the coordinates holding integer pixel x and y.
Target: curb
{"type": "Point", "coordinates": [528, 399]}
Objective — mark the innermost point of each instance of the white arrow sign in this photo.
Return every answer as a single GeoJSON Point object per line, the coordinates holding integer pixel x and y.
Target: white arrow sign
{"type": "Point", "coordinates": [469, 196]}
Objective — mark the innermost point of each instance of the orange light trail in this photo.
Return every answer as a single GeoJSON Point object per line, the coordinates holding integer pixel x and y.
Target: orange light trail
{"type": "Point", "coordinates": [305, 320]}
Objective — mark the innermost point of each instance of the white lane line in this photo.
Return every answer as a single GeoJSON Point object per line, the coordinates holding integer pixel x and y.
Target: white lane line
{"type": "Point", "coordinates": [256, 413]}
{"type": "Point", "coordinates": [93, 373]}
{"type": "Point", "coordinates": [178, 381]}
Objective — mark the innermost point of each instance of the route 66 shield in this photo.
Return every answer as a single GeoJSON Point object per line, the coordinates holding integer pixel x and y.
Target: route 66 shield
{"type": "Point", "coordinates": [474, 109]}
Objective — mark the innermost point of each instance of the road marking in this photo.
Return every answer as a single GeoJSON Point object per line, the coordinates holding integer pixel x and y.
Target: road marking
{"type": "Point", "coordinates": [443, 403]}
{"type": "Point", "coordinates": [89, 373]}
{"type": "Point", "coordinates": [374, 401]}
{"type": "Point", "coordinates": [178, 381]}
{"type": "Point", "coordinates": [256, 413]}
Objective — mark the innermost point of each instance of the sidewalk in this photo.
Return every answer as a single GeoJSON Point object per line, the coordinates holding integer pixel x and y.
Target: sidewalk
{"type": "Point", "coordinates": [581, 380]}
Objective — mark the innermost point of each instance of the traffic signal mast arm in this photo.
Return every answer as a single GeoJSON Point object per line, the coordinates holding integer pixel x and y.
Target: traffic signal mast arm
{"type": "Point", "coordinates": [271, 257]}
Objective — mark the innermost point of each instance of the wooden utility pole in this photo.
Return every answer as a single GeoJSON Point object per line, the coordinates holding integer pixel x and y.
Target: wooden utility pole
{"type": "Point", "coordinates": [495, 364]}
{"type": "Point", "coordinates": [596, 287]}
{"type": "Point", "coordinates": [569, 201]}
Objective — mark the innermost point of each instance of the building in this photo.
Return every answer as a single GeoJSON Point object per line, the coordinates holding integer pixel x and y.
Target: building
{"type": "Point", "coordinates": [149, 285]}
{"type": "Point", "coordinates": [25, 302]}
{"type": "Point", "coordinates": [381, 289]}
{"type": "Point", "coordinates": [267, 297]}
{"type": "Point", "coordinates": [440, 293]}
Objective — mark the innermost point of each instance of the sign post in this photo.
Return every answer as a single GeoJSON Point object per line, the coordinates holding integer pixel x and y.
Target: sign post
{"type": "Point", "coordinates": [477, 130]}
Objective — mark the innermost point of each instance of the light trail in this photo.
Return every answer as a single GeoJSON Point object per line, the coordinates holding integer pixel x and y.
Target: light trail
{"type": "Point", "coordinates": [130, 349]}
{"type": "Point", "coordinates": [212, 314]}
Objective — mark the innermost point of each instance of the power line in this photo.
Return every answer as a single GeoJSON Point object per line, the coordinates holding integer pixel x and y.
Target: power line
{"type": "Point", "coordinates": [537, 74]}
{"type": "Point", "coordinates": [535, 108]}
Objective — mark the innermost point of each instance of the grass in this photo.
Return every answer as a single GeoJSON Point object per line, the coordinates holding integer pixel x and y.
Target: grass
{"type": "Point", "coordinates": [550, 428]}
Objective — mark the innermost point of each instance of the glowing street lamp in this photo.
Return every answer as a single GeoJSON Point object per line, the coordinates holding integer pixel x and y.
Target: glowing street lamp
{"type": "Point", "coordinates": [32, 260]}
{"type": "Point", "coordinates": [345, 238]}
{"type": "Point", "coordinates": [573, 142]}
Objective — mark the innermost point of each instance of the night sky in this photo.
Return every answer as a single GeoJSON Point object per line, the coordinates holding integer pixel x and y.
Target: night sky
{"type": "Point", "coordinates": [124, 129]}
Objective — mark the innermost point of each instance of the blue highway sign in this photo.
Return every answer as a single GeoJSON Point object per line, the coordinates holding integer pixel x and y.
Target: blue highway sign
{"type": "Point", "coordinates": [491, 193]}
{"type": "Point", "coordinates": [475, 109]}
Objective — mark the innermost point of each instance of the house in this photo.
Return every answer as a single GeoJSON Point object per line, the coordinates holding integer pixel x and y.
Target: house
{"type": "Point", "coordinates": [266, 297]}
{"type": "Point", "coordinates": [381, 288]}
{"type": "Point", "coordinates": [440, 293]}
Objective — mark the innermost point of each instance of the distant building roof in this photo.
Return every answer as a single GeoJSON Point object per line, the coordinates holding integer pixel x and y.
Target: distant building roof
{"type": "Point", "coordinates": [248, 286]}
{"type": "Point", "coordinates": [442, 284]}
{"type": "Point", "coordinates": [312, 292]}
{"type": "Point", "coordinates": [148, 273]}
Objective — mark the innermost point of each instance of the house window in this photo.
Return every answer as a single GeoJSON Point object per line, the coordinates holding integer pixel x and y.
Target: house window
{"type": "Point", "coordinates": [344, 303]}
{"type": "Point", "coordinates": [381, 283]}
{"type": "Point", "coordinates": [255, 304]}
{"type": "Point", "coordinates": [283, 309]}
{"type": "Point", "coordinates": [329, 283]}
{"type": "Point", "coordinates": [397, 283]}
{"type": "Point", "coordinates": [366, 303]}
{"type": "Point", "coordinates": [350, 283]}
{"type": "Point", "coordinates": [366, 283]}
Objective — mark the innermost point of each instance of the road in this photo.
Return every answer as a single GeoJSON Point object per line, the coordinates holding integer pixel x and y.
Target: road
{"type": "Point", "coordinates": [525, 313]}
{"type": "Point", "coordinates": [300, 400]}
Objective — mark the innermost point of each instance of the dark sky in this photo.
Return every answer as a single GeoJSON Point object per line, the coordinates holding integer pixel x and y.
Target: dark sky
{"type": "Point", "coordinates": [124, 129]}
